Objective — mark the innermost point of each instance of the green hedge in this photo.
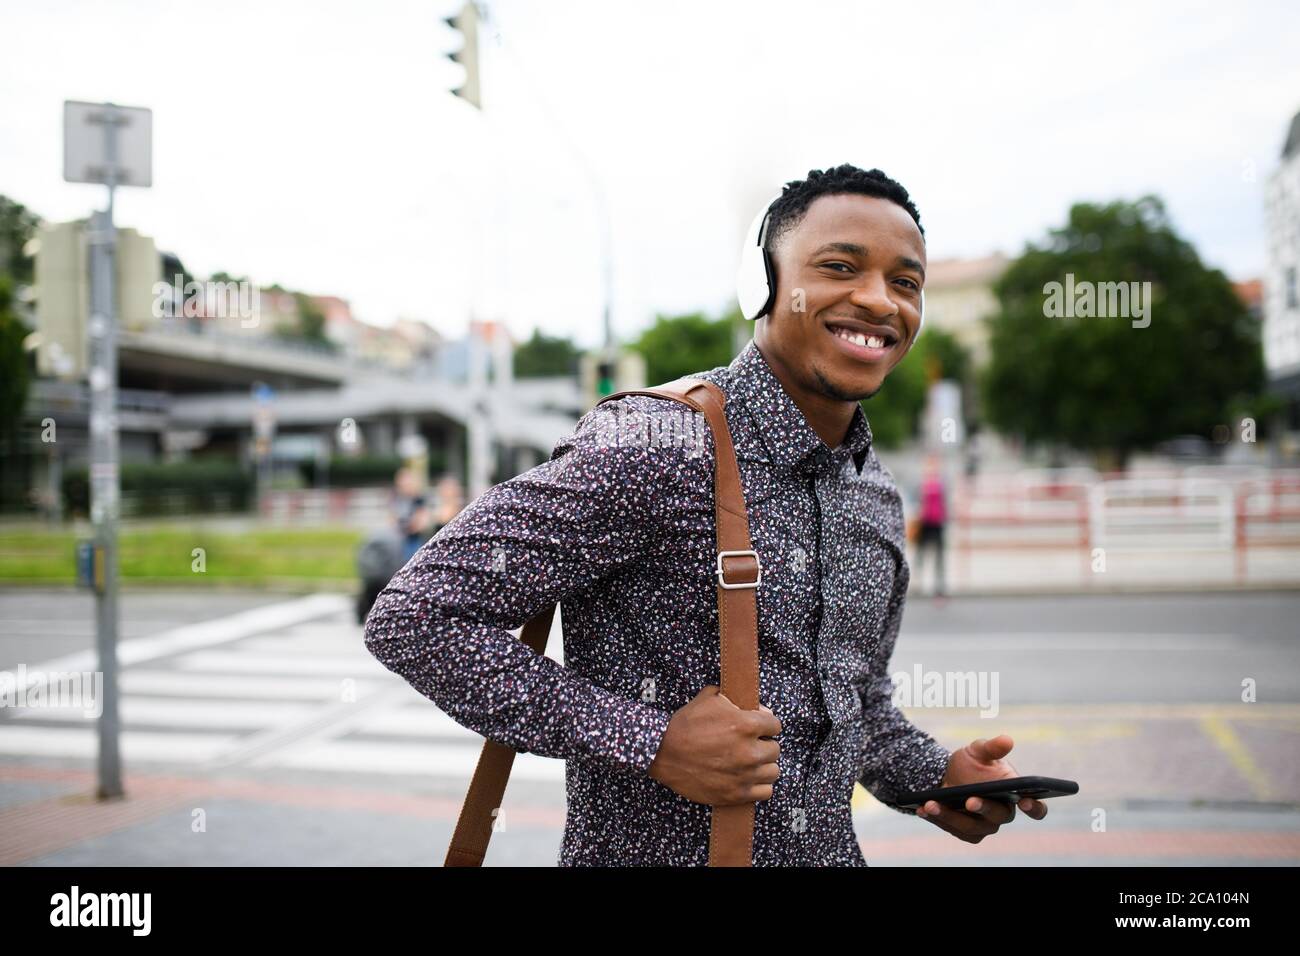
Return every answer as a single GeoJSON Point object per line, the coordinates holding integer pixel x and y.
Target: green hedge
{"type": "Point", "coordinates": [203, 486]}
{"type": "Point", "coordinates": [363, 472]}
{"type": "Point", "coordinates": [196, 486]}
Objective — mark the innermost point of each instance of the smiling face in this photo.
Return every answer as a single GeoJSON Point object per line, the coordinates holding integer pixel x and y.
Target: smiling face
{"type": "Point", "coordinates": [856, 265]}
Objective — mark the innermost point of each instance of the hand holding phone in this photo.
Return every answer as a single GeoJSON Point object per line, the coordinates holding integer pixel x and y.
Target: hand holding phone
{"type": "Point", "coordinates": [1009, 790]}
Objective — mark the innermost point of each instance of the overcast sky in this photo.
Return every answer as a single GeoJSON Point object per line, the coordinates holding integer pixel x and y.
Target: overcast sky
{"type": "Point", "coordinates": [315, 143]}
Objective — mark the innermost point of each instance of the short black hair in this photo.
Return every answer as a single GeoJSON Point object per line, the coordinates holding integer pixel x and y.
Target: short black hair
{"type": "Point", "coordinates": [797, 195]}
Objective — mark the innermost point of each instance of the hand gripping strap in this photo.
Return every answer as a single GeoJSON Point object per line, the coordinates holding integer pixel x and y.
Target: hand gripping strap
{"type": "Point", "coordinates": [731, 837]}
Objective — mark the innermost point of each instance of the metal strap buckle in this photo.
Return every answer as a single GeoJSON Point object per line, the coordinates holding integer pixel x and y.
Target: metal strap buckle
{"type": "Point", "coordinates": [722, 581]}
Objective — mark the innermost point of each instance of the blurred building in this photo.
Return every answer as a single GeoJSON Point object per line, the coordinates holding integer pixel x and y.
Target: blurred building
{"type": "Point", "coordinates": [340, 326]}
{"type": "Point", "coordinates": [200, 364]}
{"type": "Point", "coordinates": [1281, 295]}
{"type": "Point", "coordinates": [959, 298]}
{"type": "Point", "coordinates": [1251, 294]}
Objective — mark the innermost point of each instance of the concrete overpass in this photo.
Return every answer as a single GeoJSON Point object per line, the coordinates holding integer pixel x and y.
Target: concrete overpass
{"type": "Point", "coordinates": [170, 359]}
{"type": "Point", "coordinates": [527, 419]}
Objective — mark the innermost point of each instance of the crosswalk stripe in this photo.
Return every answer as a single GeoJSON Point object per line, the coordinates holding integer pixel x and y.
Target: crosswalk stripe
{"type": "Point", "coordinates": [83, 742]}
{"type": "Point", "coordinates": [414, 721]}
{"type": "Point", "coordinates": [206, 633]}
{"type": "Point", "coordinates": [184, 712]}
{"type": "Point", "coordinates": [237, 686]}
{"type": "Point", "coordinates": [438, 760]}
{"type": "Point", "coordinates": [299, 644]}
{"type": "Point", "coordinates": [238, 662]}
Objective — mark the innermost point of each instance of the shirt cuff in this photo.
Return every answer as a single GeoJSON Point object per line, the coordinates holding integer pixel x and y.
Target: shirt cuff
{"type": "Point", "coordinates": [625, 734]}
{"type": "Point", "coordinates": [923, 770]}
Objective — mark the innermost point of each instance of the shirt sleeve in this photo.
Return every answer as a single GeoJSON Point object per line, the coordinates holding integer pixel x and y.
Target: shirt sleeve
{"type": "Point", "coordinates": [444, 621]}
{"type": "Point", "coordinates": [900, 756]}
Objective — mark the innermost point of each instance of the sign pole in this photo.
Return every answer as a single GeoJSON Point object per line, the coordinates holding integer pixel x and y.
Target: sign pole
{"type": "Point", "coordinates": [109, 145]}
{"type": "Point", "coordinates": [104, 484]}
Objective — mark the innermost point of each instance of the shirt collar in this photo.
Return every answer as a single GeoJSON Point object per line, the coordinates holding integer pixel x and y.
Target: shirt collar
{"type": "Point", "coordinates": [789, 440]}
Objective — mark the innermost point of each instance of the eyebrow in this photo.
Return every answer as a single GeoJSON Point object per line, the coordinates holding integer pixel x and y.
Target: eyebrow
{"type": "Point", "coordinates": [907, 262]}
{"type": "Point", "coordinates": [853, 249]}
{"type": "Point", "coordinates": [848, 248]}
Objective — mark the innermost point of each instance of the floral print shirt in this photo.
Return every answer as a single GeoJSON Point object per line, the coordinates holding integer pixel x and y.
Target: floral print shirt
{"type": "Point", "coordinates": [618, 527]}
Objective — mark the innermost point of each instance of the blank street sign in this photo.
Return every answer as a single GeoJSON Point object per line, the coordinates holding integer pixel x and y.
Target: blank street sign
{"type": "Point", "coordinates": [85, 143]}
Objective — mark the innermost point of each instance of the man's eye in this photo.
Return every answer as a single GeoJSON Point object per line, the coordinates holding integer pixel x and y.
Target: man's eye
{"type": "Point", "coordinates": [911, 284]}
{"type": "Point", "coordinates": [838, 266]}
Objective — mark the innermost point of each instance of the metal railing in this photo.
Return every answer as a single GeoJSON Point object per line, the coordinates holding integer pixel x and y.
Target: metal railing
{"type": "Point", "coordinates": [1202, 508]}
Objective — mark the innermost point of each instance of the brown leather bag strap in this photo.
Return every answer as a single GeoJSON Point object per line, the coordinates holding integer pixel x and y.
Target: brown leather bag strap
{"type": "Point", "coordinates": [478, 815]}
{"type": "Point", "coordinates": [738, 574]}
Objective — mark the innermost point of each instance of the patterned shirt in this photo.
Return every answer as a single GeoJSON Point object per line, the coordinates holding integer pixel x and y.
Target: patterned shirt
{"type": "Point", "coordinates": [618, 526]}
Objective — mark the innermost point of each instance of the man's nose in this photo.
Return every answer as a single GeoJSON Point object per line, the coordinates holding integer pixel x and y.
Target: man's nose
{"type": "Point", "coordinates": [872, 294]}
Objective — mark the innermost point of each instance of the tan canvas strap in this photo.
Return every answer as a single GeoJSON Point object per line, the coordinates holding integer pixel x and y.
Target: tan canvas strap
{"type": "Point", "coordinates": [737, 572]}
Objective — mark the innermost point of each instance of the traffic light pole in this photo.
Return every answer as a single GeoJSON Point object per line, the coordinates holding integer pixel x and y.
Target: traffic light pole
{"type": "Point", "coordinates": [104, 482]}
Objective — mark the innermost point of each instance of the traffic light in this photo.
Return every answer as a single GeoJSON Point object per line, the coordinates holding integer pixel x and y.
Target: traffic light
{"type": "Point", "coordinates": [466, 24]}
{"type": "Point", "coordinates": [604, 378]}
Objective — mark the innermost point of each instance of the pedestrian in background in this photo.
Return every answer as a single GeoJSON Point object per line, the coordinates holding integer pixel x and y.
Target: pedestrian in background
{"type": "Point", "coordinates": [934, 515]}
{"type": "Point", "coordinates": [411, 512]}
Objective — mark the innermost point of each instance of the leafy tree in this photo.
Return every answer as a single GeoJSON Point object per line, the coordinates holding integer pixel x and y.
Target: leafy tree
{"type": "Point", "coordinates": [945, 356]}
{"type": "Point", "coordinates": [678, 345]}
{"type": "Point", "coordinates": [545, 355]}
{"type": "Point", "coordinates": [17, 270]}
{"type": "Point", "coordinates": [17, 226]}
{"type": "Point", "coordinates": [1099, 383]}
{"type": "Point", "coordinates": [310, 324]}
{"type": "Point", "coordinates": [895, 411]}
{"type": "Point", "coordinates": [13, 364]}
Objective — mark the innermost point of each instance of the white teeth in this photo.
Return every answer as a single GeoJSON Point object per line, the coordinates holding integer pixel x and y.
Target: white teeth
{"type": "Point", "coordinates": [867, 341]}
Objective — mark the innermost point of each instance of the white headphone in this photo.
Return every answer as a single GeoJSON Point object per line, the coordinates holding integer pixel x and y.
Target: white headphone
{"type": "Point", "coordinates": [756, 278]}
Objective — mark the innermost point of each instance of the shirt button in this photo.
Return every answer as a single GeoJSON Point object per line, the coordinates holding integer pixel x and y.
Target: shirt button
{"type": "Point", "coordinates": [816, 764]}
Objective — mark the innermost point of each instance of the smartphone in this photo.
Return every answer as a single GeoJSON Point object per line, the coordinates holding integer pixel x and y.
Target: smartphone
{"type": "Point", "coordinates": [1010, 790]}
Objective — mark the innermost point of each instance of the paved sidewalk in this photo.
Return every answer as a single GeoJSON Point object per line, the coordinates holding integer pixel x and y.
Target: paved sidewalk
{"type": "Point", "coordinates": [49, 819]}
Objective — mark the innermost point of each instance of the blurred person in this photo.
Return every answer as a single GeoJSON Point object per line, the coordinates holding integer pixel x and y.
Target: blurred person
{"type": "Point", "coordinates": [411, 511]}
{"type": "Point", "coordinates": [450, 497]}
{"type": "Point", "coordinates": [624, 537]}
{"type": "Point", "coordinates": [933, 516]}
{"type": "Point", "coordinates": [974, 451]}
{"type": "Point", "coordinates": [383, 553]}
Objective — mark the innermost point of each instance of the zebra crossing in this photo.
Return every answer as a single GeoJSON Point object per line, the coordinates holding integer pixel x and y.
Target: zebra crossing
{"type": "Point", "coordinates": [289, 686]}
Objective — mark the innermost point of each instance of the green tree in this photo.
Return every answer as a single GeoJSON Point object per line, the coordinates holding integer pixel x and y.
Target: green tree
{"type": "Point", "coordinates": [894, 412]}
{"type": "Point", "coordinates": [13, 398]}
{"type": "Point", "coordinates": [17, 226]}
{"type": "Point", "coordinates": [13, 365]}
{"type": "Point", "coordinates": [1102, 384]}
{"type": "Point", "coordinates": [678, 345]}
{"type": "Point", "coordinates": [310, 326]}
{"type": "Point", "coordinates": [546, 355]}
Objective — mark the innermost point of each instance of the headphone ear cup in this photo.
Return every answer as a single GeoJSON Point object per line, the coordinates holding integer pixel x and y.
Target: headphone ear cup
{"type": "Point", "coordinates": [756, 277]}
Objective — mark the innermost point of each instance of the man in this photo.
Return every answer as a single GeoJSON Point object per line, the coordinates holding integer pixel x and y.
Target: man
{"type": "Point", "coordinates": [621, 531]}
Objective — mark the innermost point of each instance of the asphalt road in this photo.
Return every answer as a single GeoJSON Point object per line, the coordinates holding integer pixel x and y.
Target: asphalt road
{"type": "Point", "coordinates": [232, 703]}
{"type": "Point", "coordinates": [1163, 648]}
